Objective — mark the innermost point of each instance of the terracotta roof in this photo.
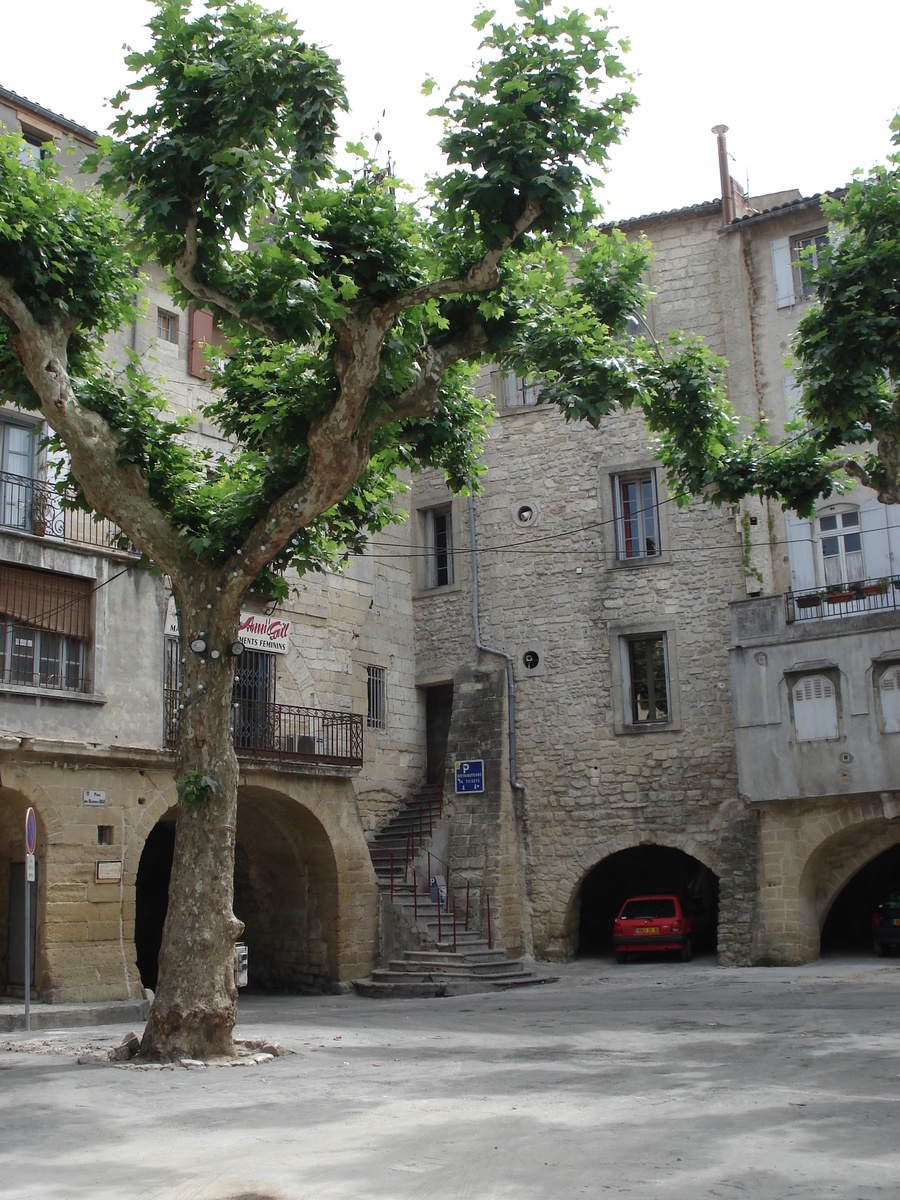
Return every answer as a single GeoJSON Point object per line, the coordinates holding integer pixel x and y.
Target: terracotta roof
{"type": "Point", "coordinates": [79, 131]}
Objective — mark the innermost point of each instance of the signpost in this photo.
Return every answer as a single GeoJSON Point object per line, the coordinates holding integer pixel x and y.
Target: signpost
{"type": "Point", "coordinates": [30, 843]}
{"type": "Point", "coordinates": [470, 775]}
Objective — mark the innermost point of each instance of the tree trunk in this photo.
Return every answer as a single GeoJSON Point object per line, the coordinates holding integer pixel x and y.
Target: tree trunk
{"type": "Point", "coordinates": [195, 1006]}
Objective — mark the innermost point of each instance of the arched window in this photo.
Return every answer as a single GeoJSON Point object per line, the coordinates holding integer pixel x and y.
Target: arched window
{"type": "Point", "coordinates": [815, 708]}
{"type": "Point", "coordinates": [840, 541]}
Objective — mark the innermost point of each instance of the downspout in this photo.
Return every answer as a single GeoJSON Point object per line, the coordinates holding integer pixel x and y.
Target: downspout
{"type": "Point", "coordinates": [479, 645]}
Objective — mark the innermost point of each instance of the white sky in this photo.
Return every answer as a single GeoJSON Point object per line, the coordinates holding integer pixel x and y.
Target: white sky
{"type": "Point", "coordinates": [806, 87]}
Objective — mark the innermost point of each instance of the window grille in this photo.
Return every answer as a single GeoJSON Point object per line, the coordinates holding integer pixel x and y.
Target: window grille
{"type": "Point", "coordinates": [375, 711]}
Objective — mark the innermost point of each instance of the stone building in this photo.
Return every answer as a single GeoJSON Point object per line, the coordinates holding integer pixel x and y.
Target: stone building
{"type": "Point", "coordinates": [89, 672]}
{"type": "Point", "coordinates": [765, 788]}
{"type": "Point", "coordinates": [630, 673]}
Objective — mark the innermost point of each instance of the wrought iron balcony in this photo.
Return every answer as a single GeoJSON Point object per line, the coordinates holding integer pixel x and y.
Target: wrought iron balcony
{"type": "Point", "coordinates": [285, 731]}
{"type": "Point", "coordinates": [844, 600]}
{"type": "Point", "coordinates": [34, 506]}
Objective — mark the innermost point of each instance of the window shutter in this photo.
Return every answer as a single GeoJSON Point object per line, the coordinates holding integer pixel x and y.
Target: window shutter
{"type": "Point", "coordinates": [784, 272]}
{"type": "Point", "coordinates": [201, 337]}
{"type": "Point", "coordinates": [815, 709]}
{"type": "Point", "coordinates": [40, 600]}
{"type": "Point", "coordinates": [889, 686]}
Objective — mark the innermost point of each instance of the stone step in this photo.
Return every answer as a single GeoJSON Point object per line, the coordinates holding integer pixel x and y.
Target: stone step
{"type": "Point", "coordinates": [405, 989]}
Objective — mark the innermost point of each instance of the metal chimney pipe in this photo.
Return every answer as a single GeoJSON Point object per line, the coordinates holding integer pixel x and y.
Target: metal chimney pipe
{"type": "Point", "coordinates": [724, 175]}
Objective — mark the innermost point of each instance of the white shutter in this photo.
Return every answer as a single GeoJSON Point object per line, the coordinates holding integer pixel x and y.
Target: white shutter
{"type": "Point", "coordinates": [815, 709]}
{"type": "Point", "coordinates": [792, 394]}
{"type": "Point", "coordinates": [889, 686]}
{"type": "Point", "coordinates": [784, 272]}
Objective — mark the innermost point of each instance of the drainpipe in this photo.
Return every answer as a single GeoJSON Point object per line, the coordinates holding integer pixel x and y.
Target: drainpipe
{"type": "Point", "coordinates": [724, 175]}
{"type": "Point", "coordinates": [479, 645]}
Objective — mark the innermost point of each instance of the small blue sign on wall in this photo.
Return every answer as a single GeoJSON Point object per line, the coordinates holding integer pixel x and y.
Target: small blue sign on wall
{"type": "Point", "coordinates": [470, 775]}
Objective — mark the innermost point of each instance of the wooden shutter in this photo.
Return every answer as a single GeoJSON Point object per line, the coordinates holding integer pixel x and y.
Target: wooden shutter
{"type": "Point", "coordinates": [202, 326]}
{"type": "Point", "coordinates": [784, 272]}
{"type": "Point", "coordinates": [40, 600]}
{"type": "Point", "coordinates": [889, 686]}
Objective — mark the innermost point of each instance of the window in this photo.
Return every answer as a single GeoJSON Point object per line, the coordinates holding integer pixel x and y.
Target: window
{"type": "Point", "coordinates": [44, 629]}
{"type": "Point", "coordinates": [840, 540]}
{"type": "Point", "coordinates": [438, 547]}
{"type": "Point", "coordinates": [793, 260]}
{"type": "Point", "coordinates": [814, 704]}
{"type": "Point", "coordinates": [637, 524]}
{"type": "Point", "coordinates": [32, 150]}
{"type": "Point", "coordinates": [647, 680]}
{"type": "Point", "coordinates": [375, 709]}
{"type": "Point", "coordinates": [889, 694]}
{"type": "Point", "coordinates": [805, 252]}
{"type": "Point", "coordinates": [253, 701]}
{"type": "Point", "coordinates": [17, 447]}
{"type": "Point", "coordinates": [513, 392]}
{"type": "Point", "coordinates": [166, 326]}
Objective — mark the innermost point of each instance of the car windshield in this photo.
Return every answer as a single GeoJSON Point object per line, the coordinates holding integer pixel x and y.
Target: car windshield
{"type": "Point", "coordinates": [648, 910]}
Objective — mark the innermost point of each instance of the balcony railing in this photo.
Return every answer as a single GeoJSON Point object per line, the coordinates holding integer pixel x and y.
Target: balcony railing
{"type": "Point", "coordinates": [34, 506]}
{"type": "Point", "coordinates": [285, 731]}
{"type": "Point", "coordinates": [844, 600]}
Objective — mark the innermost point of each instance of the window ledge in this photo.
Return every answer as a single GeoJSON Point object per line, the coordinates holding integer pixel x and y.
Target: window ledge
{"type": "Point", "coordinates": [21, 689]}
{"type": "Point", "coordinates": [644, 560]}
{"type": "Point", "coordinates": [422, 592]}
{"type": "Point", "coordinates": [646, 727]}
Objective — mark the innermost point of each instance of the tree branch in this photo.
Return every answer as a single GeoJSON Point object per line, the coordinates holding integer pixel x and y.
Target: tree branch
{"type": "Point", "coordinates": [481, 276]}
{"type": "Point", "coordinates": [183, 270]}
{"type": "Point", "coordinates": [422, 399]}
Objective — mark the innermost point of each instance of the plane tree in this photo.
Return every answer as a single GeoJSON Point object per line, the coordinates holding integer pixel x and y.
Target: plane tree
{"type": "Point", "coordinates": [354, 321]}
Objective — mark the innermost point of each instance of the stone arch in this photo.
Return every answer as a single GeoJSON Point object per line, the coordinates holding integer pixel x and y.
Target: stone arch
{"type": "Point", "coordinates": [835, 861]}
{"type": "Point", "coordinates": [304, 884]}
{"type": "Point", "coordinates": [808, 858]}
{"type": "Point", "coordinates": [566, 910]}
{"type": "Point", "coordinates": [13, 806]}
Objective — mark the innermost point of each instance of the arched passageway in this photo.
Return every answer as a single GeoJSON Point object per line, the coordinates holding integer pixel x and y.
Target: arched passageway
{"type": "Point", "coordinates": [285, 892]}
{"type": "Point", "coordinates": [641, 871]}
{"type": "Point", "coordinates": [848, 926]}
{"type": "Point", "coordinates": [13, 806]}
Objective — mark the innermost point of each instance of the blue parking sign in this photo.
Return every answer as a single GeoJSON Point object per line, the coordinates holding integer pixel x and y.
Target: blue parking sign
{"type": "Point", "coordinates": [470, 775]}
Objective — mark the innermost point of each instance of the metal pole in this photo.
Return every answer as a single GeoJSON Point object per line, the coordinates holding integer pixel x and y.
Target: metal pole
{"type": "Point", "coordinates": [447, 909]}
{"type": "Point", "coordinates": [391, 853]}
{"type": "Point", "coordinates": [467, 905]}
{"type": "Point", "coordinates": [454, 930]}
{"type": "Point", "coordinates": [27, 950]}
{"type": "Point", "coordinates": [488, 899]}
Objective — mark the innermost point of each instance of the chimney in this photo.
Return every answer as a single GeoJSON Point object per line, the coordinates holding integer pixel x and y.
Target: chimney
{"type": "Point", "coordinates": [724, 175]}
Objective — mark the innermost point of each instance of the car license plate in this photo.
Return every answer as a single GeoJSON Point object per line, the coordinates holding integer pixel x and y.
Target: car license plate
{"type": "Point", "coordinates": [646, 929]}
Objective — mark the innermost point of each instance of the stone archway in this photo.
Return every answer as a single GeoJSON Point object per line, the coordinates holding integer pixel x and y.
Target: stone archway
{"type": "Point", "coordinates": [809, 855]}
{"type": "Point", "coordinates": [299, 889]}
{"type": "Point", "coordinates": [13, 806]}
{"type": "Point", "coordinates": [564, 939]}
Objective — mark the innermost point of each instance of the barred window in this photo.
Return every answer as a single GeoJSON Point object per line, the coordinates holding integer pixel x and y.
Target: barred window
{"type": "Point", "coordinates": [45, 623]}
{"type": "Point", "coordinates": [375, 712]}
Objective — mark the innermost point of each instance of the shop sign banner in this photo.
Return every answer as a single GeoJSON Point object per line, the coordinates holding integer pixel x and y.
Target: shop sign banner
{"type": "Point", "coordinates": [257, 632]}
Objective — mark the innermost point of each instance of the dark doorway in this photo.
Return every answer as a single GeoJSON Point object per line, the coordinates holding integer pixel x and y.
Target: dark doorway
{"type": "Point", "coordinates": [438, 711]}
{"type": "Point", "coordinates": [16, 973]}
{"type": "Point", "coordinates": [848, 926]}
{"type": "Point", "coordinates": [253, 701]}
{"type": "Point", "coordinates": [151, 895]}
{"type": "Point", "coordinates": [642, 871]}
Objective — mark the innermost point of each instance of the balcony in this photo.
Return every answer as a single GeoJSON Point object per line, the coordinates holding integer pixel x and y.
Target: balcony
{"type": "Point", "coordinates": [36, 507]}
{"type": "Point", "coordinates": [286, 731]}
{"type": "Point", "coordinates": [843, 600]}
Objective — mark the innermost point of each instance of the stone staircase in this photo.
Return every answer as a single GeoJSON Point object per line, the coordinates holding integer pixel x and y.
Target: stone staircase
{"type": "Point", "coordinates": [450, 960]}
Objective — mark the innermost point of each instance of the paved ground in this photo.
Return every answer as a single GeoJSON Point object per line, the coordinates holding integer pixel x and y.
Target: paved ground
{"type": "Point", "coordinates": [657, 1081]}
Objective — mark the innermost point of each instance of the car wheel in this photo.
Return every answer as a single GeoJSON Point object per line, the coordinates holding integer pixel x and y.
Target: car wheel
{"type": "Point", "coordinates": [879, 949]}
{"type": "Point", "coordinates": [687, 951]}
{"type": "Point", "coordinates": [621, 957]}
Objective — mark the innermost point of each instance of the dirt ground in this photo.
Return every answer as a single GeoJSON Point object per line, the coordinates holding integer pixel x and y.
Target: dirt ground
{"type": "Point", "coordinates": [656, 1080]}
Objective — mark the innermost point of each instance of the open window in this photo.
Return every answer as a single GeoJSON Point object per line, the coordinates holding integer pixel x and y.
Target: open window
{"type": "Point", "coordinates": [636, 515]}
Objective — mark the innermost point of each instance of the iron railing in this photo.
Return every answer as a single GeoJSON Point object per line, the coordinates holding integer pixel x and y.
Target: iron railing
{"type": "Point", "coordinates": [285, 731]}
{"type": "Point", "coordinates": [843, 600]}
{"type": "Point", "coordinates": [35, 506]}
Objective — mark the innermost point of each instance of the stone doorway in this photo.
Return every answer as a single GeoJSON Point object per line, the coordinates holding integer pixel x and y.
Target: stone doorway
{"type": "Point", "coordinates": [848, 926]}
{"type": "Point", "coordinates": [438, 711]}
{"type": "Point", "coordinates": [641, 871]}
{"type": "Point", "coordinates": [285, 892]}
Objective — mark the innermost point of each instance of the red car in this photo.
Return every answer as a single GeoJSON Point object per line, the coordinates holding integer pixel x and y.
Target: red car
{"type": "Point", "coordinates": [653, 923]}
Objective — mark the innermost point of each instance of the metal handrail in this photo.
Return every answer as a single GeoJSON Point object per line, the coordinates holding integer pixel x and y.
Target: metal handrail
{"type": "Point", "coordinates": [35, 506]}
{"type": "Point", "coordinates": [844, 599]}
{"type": "Point", "coordinates": [285, 731]}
